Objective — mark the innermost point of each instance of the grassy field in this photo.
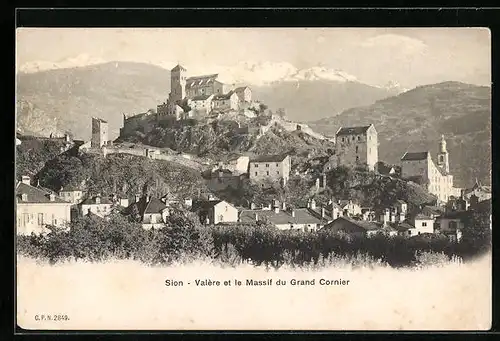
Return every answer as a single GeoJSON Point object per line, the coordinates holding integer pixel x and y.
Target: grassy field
{"type": "Point", "coordinates": [130, 295]}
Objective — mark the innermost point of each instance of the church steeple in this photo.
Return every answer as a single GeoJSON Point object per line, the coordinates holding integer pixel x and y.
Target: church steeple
{"type": "Point", "coordinates": [443, 158]}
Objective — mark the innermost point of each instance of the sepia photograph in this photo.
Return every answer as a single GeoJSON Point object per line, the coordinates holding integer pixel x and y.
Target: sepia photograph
{"type": "Point", "coordinates": [333, 179]}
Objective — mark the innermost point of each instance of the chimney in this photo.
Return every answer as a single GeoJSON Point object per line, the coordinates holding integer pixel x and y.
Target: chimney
{"type": "Point", "coordinates": [252, 206]}
{"type": "Point", "coordinates": [52, 197]}
{"type": "Point", "coordinates": [293, 213]}
{"type": "Point", "coordinates": [25, 179]}
{"type": "Point", "coordinates": [313, 204]}
{"type": "Point", "coordinates": [322, 212]}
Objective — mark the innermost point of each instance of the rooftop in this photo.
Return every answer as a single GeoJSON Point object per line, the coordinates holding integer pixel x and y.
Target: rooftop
{"type": "Point", "coordinates": [302, 216]}
{"type": "Point", "coordinates": [415, 156]}
{"type": "Point", "coordinates": [35, 195]}
{"type": "Point", "coordinates": [200, 97]}
{"type": "Point", "coordinates": [351, 225]}
{"type": "Point", "coordinates": [178, 67]}
{"type": "Point", "coordinates": [224, 96]}
{"type": "Point", "coordinates": [352, 130]}
{"type": "Point", "coordinates": [92, 201]}
{"type": "Point", "coordinates": [268, 158]}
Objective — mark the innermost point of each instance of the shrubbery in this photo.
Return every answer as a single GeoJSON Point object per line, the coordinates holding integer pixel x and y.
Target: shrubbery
{"type": "Point", "coordinates": [95, 239]}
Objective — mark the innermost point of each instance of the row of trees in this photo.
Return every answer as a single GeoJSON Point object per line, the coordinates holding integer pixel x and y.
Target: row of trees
{"type": "Point", "coordinates": [95, 239]}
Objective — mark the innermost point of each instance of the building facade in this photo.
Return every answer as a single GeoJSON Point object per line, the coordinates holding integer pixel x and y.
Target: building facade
{"type": "Point", "coordinates": [99, 133]}
{"type": "Point", "coordinates": [71, 194]}
{"type": "Point", "coordinates": [215, 211]}
{"type": "Point", "coordinates": [436, 177]}
{"type": "Point", "coordinates": [227, 101]}
{"type": "Point", "coordinates": [356, 147]}
{"type": "Point", "coordinates": [37, 208]}
{"type": "Point", "coordinates": [97, 205]}
{"type": "Point", "coordinates": [270, 168]}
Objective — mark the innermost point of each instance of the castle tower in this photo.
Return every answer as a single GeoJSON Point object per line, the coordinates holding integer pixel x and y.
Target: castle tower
{"type": "Point", "coordinates": [177, 83]}
{"type": "Point", "coordinates": [443, 158]}
{"type": "Point", "coordinates": [99, 133]}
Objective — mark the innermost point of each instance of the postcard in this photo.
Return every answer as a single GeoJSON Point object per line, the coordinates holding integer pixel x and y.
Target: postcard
{"type": "Point", "coordinates": [333, 179]}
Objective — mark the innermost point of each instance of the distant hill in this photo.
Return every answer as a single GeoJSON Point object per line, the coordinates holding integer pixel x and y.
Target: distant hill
{"type": "Point", "coordinates": [415, 120]}
{"type": "Point", "coordinates": [306, 100]}
{"type": "Point", "coordinates": [66, 99]}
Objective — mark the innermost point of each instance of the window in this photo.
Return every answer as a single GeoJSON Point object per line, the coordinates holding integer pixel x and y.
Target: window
{"type": "Point", "coordinates": [256, 165]}
{"type": "Point", "coordinates": [353, 138]}
{"type": "Point", "coordinates": [357, 158]}
{"type": "Point", "coordinates": [53, 220]}
{"type": "Point", "coordinates": [357, 149]}
{"type": "Point", "coordinates": [255, 173]}
{"type": "Point", "coordinates": [221, 217]}
{"type": "Point", "coordinates": [267, 172]}
{"type": "Point", "coordinates": [267, 165]}
{"type": "Point", "coordinates": [26, 219]}
{"type": "Point", "coordinates": [278, 172]}
{"type": "Point", "coordinates": [424, 224]}
{"type": "Point", "coordinates": [359, 138]}
{"type": "Point", "coordinates": [342, 139]}
{"type": "Point", "coordinates": [40, 218]}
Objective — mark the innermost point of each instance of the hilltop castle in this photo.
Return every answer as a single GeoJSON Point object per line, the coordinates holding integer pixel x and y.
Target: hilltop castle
{"type": "Point", "coordinates": [201, 95]}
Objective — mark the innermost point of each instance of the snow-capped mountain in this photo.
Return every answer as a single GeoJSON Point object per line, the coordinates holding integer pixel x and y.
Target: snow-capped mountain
{"type": "Point", "coordinates": [394, 86]}
{"type": "Point", "coordinates": [78, 61]}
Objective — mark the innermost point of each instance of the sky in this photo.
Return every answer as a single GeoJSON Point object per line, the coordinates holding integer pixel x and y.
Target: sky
{"type": "Point", "coordinates": [408, 56]}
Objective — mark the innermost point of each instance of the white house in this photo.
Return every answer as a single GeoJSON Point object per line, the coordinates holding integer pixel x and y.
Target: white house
{"type": "Point", "coordinates": [97, 205]}
{"type": "Point", "coordinates": [422, 224]}
{"type": "Point", "coordinates": [215, 211]}
{"type": "Point", "coordinates": [36, 208]}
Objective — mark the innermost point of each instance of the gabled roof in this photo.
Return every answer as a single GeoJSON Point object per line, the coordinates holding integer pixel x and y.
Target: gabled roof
{"type": "Point", "coordinates": [224, 96]}
{"type": "Point", "coordinates": [402, 227]}
{"type": "Point", "coordinates": [70, 188]}
{"type": "Point", "coordinates": [35, 195]}
{"type": "Point", "coordinates": [352, 225]}
{"type": "Point", "coordinates": [204, 205]}
{"type": "Point", "coordinates": [200, 80]}
{"type": "Point", "coordinates": [269, 158]}
{"type": "Point", "coordinates": [200, 98]}
{"type": "Point", "coordinates": [92, 201]}
{"type": "Point", "coordinates": [422, 216]}
{"type": "Point", "coordinates": [241, 88]}
{"type": "Point", "coordinates": [415, 156]}
{"type": "Point", "coordinates": [302, 216]}
{"type": "Point", "coordinates": [154, 205]}
{"type": "Point", "coordinates": [352, 130]}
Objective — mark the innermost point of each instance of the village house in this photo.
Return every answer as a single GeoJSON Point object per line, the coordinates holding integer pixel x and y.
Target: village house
{"type": "Point", "coordinates": [355, 147]}
{"type": "Point", "coordinates": [351, 227]}
{"type": "Point", "coordinates": [237, 164]}
{"type": "Point", "coordinates": [37, 208]}
{"type": "Point", "coordinates": [213, 212]}
{"type": "Point", "coordinates": [150, 211]}
{"type": "Point", "coordinates": [227, 101]}
{"type": "Point", "coordinates": [100, 206]}
{"type": "Point", "coordinates": [326, 214]}
{"type": "Point", "coordinates": [452, 224]}
{"type": "Point", "coordinates": [435, 177]}
{"type": "Point", "coordinates": [244, 94]}
{"type": "Point", "coordinates": [71, 194]}
{"type": "Point", "coordinates": [201, 104]}
{"type": "Point", "coordinates": [480, 191]}
{"type": "Point", "coordinates": [275, 168]}
{"type": "Point", "coordinates": [349, 208]}
{"type": "Point", "coordinates": [421, 224]}
{"type": "Point", "coordinates": [299, 219]}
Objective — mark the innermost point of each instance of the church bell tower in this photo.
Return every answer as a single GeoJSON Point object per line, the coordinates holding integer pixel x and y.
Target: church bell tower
{"type": "Point", "coordinates": [443, 158]}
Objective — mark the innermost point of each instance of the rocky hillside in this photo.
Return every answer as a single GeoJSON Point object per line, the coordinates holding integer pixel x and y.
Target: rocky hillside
{"type": "Point", "coordinates": [222, 137]}
{"type": "Point", "coordinates": [415, 120]}
{"type": "Point", "coordinates": [66, 99]}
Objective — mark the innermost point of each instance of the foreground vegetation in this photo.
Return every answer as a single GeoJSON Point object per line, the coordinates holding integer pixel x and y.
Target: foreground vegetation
{"type": "Point", "coordinates": [94, 239]}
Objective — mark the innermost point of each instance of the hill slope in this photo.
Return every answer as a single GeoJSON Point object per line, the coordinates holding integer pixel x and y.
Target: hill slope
{"type": "Point", "coordinates": [310, 100]}
{"type": "Point", "coordinates": [415, 120]}
{"type": "Point", "coordinates": [68, 98]}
